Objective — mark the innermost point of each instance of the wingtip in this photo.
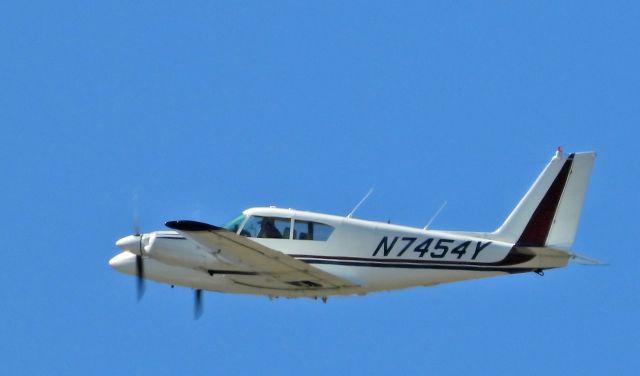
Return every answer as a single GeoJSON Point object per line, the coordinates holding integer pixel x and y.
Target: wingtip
{"type": "Point", "coordinates": [183, 225]}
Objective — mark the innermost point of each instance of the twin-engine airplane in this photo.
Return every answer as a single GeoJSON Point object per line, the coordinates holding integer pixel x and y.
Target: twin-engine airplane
{"type": "Point", "coordinates": [291, 253]}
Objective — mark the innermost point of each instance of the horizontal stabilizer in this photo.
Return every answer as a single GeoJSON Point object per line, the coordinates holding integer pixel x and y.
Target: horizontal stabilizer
{"type": "Point", "coordinates": [584, 260]}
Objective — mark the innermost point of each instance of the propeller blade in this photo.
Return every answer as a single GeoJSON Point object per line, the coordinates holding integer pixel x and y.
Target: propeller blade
{"type": "Point", "coordinates": [136, 215]}
{"type": "Point", "coordinates": [136, 227]}
{"type": "Point", "coordinates": [198, 308]}
{"type": "Point", "coordinates": [140, 276]}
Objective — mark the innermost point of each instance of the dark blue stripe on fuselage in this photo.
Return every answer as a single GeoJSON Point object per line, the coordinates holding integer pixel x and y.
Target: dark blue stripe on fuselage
{"type": "Point", "coordinates": [478, 268]}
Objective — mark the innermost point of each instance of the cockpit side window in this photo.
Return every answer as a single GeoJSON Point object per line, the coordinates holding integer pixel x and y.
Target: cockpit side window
{"type": "Point", "coordinates": [307, 230]}
{"type": "Point", "coordinates": [267, 227]}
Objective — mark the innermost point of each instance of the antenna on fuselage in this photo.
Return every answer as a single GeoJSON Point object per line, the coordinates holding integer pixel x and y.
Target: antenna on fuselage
{"type": "Point", "coordinates": [435, 215]}
{"type": "Point", "coordinates": [360, 203]}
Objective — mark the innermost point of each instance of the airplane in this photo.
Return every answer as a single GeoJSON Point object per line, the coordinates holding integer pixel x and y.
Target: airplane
{"type": "Point", "coordinates": [278, 252]}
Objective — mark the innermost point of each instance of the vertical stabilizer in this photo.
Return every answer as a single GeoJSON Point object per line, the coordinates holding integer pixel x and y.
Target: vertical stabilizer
{"type": "Point", "coordinates": [548, 214]}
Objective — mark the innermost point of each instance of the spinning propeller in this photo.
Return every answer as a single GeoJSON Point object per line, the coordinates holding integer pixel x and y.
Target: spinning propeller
{"type": "Point", "coordinates": [140, 285]}
{"type": "Point", "coordinates": [198, 308]}
{"type": "Point", "coordinates": [133, 244]}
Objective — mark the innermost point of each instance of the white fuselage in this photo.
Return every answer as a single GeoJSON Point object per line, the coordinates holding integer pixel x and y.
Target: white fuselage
{"type": "Point", "coordinates": [375, 256]}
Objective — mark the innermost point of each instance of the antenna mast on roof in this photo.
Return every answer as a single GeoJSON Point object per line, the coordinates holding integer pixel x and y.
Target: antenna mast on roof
{"type": "Point", "coordinates": [360, 203]}
{"type": "Point", "coordinates": [435, 215]}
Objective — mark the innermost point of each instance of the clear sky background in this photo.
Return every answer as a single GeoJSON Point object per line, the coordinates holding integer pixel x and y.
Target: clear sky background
{"type": "Point", "coordinates": [206, 108]}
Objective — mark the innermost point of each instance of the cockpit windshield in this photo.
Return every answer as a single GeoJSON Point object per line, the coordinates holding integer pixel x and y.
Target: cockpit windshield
{"type": "Point", "coordinates": [234, 224]}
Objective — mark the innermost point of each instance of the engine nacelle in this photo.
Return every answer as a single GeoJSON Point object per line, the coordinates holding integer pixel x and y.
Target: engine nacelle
{"type": "Point", "coordinates": [178, 251]}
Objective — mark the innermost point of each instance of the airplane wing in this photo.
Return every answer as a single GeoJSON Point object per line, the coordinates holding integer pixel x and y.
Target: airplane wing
{"type": "Point", "coordinates": [284, 271]}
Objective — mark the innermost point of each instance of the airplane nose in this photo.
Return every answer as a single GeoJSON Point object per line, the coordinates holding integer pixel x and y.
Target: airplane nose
{"type": "Point", "coordinates": [130, 243]}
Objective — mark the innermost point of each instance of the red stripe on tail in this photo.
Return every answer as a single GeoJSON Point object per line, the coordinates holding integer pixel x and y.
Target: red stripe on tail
{"type": "Point", "coordinates": [536, 232]}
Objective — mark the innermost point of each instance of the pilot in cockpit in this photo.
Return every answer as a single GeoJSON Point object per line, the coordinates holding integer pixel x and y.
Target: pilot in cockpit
{"type": "Point", "coordinates": [268, 229]}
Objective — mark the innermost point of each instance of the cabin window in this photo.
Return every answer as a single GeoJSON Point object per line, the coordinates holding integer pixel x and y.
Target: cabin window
{"type": "Point", "coordinates": [267, 227]}
{"type": "Point", "coordinates": [307, 230]}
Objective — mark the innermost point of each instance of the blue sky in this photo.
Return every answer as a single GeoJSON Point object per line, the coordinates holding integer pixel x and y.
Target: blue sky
{"type": "Point", "coordinates": [203, 109]}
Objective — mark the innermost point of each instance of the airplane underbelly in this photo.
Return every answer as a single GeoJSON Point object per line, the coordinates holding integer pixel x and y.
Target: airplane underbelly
{"type": "Point", "coordinates": [376, 278]}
